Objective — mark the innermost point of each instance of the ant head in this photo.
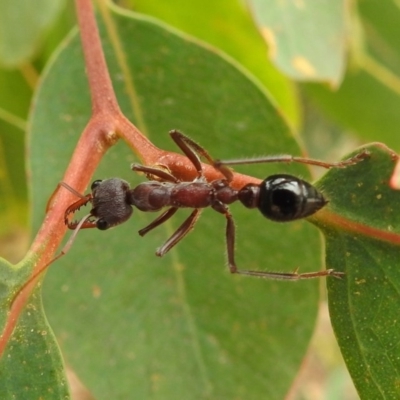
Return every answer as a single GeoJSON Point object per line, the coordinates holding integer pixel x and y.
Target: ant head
{"type": "Point", "coordinates": [111, 206]}
{"type": "Point", "coordinates": [286, 198]}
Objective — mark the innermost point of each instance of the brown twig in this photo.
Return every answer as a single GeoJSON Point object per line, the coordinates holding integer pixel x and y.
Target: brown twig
{"type": "Point", "coordinates": [106, 125]}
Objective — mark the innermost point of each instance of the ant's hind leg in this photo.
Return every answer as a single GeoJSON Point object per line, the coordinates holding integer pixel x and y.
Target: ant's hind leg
{"type": "Point", "coordinates": [290, 276]}
{"type": "Point", "coordinates": [230, 242]}
{"type": "Point", "coordinates": [285, 158]}
{"type": "Point", "coordinates": [230, 235]}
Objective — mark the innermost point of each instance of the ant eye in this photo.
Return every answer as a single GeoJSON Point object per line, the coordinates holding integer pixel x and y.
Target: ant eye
{"type": "Point", "coordinates": [95, 184]}
{"type": "Point", "coordinates": [286, 198]}
{"type": "Point", "coordinates": [102, 224]}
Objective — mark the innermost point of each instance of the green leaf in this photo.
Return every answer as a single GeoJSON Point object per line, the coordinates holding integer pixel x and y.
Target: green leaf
{"type": "Point", "coordinates": [362, 239]}
{"type": "Point", "coordinates": [131, 324]}
{"type": "Point", "coordinates": [307, 40]}
{"type": "Point", "coordinates": [32, 18]}
{"type": "Point", "coordinates": [14, 103]}
{"type": "Point", "coordinates": [227, 25]}
{"type": "Point", "coordinates": [31, 366]}
{"type": "Point", "coordinates": [60, 27]}
{"type": "Point", "coordinates": [369, 98]}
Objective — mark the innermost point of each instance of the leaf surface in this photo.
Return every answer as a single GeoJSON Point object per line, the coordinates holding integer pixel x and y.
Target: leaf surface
{"type": "Point", "coordinates": [33, 18]}
{"type": "Point", "coordinates": [14, 103]}
{"type": "Point", "coordinates": [228, 26]}
{"type": "Point", "coordinates": [364, 243]}
{"type": "Point", "coordinates": [307, 40]}
{"type": "Point", "coordinates": [31, 366]}
{"type": "Point", "coordinates": [133, 324]}
{"type": "Point", "coordinates": [368, 100]}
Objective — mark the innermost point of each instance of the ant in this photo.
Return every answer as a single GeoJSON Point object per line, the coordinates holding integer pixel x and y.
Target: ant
{"type": "Point", "coordinates": [279, 198]}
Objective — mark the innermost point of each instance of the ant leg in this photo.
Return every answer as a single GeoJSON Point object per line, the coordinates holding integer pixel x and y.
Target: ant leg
{"type": "Point", "coordinates": [159, 220]}
{"type": "Point", "coordinates": [189, 148]}
{"type": "Point", "coordinates": [230, 242]}
{"type": "Point", "coordinates": [180, 233]}
{"type": "Point", "coordinates": [164, 175]}
{"type": "Point", "coordinates": [230, 234]}
{"type": "Point", "coordinates": [63, 252]}
{"type": "Point", "coordinates": [288, 159]}
{"type": "Point", "coordinates": [291, 276]}
{"type": "Point", "coordinates": [192, 150]}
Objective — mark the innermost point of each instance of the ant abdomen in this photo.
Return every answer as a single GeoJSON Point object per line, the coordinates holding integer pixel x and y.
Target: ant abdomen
{"type": "Point", "coordinates": [283, 198]}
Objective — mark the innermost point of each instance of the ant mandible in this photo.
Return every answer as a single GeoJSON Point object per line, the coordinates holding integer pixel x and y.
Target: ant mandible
{"type": "Point", "coordinates": [279, 198]}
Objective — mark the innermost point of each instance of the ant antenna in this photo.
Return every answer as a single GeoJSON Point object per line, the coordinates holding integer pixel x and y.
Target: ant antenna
{"type": "Point", "coordinates": [66, 247]}
{"type": "Point", "coordinates": [63, 252]}
{"type": "Point", "coordinates": [72, 190]}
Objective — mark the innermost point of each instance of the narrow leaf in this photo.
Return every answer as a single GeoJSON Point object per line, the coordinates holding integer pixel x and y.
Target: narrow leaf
{"type": "Point", "coordinates": [32, 18]}
{"type": "Point", "coordinates": [362, 230]}
{"type": "Point", "coordinates": [307, 40]}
